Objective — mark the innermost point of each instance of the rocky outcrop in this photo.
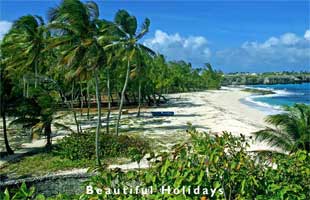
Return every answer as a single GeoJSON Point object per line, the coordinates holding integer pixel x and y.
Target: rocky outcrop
{"type": "Point", "coordinates": [51, 185]}
{"type": "Point", "coordinates": [254, 79]}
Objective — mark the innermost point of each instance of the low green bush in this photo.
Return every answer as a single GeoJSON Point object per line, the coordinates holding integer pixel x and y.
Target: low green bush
{"type": "Point", "coordinates": [25, 193]}
{"type": "Point", "coordinates": [220, 166]}
{"type": "Point", "coordinates": [82, 146]}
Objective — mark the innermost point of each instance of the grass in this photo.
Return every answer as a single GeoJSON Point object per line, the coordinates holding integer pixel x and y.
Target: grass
{"type": "Point", "coordinates": [44, 163]}
{"type": "Point", "coordinates": [47, 163]}
{"type": "Point", "coordinates": [41, 164]}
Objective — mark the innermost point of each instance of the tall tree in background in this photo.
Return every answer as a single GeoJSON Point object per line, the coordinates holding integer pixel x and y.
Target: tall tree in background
{"type": "Point", "coordinates": [3, 97]}
{"type": "Point", "coordinates": [78, 24]}
{"type": "Point", "coordinates": [27, 36]}
{"type": "Point", "coordinates": [143, 61]}
{"type": "Point", "coordinates": [212, 77]}
{"type": "Point", "coordinates": [129, 37]}
{"type": "Point", "coordinates": [23, 47]}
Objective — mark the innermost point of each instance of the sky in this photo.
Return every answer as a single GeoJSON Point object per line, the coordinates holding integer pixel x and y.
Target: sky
{"type": "Point", "coordinates": [247, 36]}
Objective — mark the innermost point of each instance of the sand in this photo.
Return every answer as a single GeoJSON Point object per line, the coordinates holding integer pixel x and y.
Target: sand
{"type": "Point", "coordinates": [211, 111]}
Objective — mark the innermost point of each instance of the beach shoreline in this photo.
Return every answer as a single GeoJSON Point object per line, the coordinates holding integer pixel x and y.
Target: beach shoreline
{"type": "Point", "coordinates": [212, 111]}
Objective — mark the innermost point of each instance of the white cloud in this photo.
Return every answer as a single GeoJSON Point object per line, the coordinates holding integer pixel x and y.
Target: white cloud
{"type": "Point", "coordinates": [192, 49]}
{"type": "Point", "coordinates": [286, 52]}
{"type": "Point", "coordinates": [307, 34]}
{"type": "Point", "coordinates": [4, 28]}
{"type": "Point", "coordinates": [289, 39]}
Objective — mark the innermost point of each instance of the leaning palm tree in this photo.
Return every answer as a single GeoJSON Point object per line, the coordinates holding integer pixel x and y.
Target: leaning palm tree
{"type": "Point", "coordinates": [22, 48]}
{"type": "Point", "coordinates": [292, 129]}
{"type": "Point", "coordinates": [129, 37]}
{"type": "Point", "coordinates": [76, 26]}
{"type": "Point", "coordinates": [109, 68]}
{"type": "Point", "coordinates": [38, 112]}
{"type": "Point", "coordinates": [27, 36]}
{"type": "Point", "coordinates": [4, 89]}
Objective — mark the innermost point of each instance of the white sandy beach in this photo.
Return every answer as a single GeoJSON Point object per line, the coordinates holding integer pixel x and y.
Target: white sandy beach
{"type": "Point", "coordinates": [211, 111]}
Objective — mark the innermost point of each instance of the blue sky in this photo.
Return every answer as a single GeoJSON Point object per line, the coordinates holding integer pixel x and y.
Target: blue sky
{"type": "Point", "coordinates": [231, 35]}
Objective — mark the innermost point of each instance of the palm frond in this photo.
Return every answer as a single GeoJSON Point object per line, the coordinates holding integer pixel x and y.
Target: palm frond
{"type": "Point", "coordinates": [275, 138]}
{"type": "Point", "coordinates": [144, 28]}
{"type": "Point", "coordinates": [25, 121]}
{"type": "Point", "coordinates": [147, 49]}
{"type": "Point", "coordinates": [93, 9]}
{"type": "Point", "coordinates": [63, 127]}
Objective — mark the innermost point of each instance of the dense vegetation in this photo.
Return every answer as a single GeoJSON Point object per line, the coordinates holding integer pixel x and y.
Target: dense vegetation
{"type": "Point", "coordinates": [258, 91]}
{"type": "Point", "coordinates": [265, 78]}
{"type": "Point", "coordinates": [78, 147]}
{"type": "Point", "coordinates": [291, 129]}
{"type": "Point", "coordinates": [220, 165]}
{"type": "Point", "coordinates": [76, 59]}
{"type": "Point", "coordinates": [77, 151]}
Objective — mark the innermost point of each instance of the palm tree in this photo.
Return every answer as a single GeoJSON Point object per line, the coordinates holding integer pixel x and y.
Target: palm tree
{"type": "Point", "coordinates": [109, 67]}
{"type": "Point", "coordinates": [23, 47]}
{"type": "Point", "coordinates": [129, 37]}
{"type": "Point", "coordinates": [3, 96]}
{"type": "Point", "coordinates": [159, 75]}
{"type": "Point", "coordinates": [38, 112]}
{"type": "Point", "coordinates": [142, 60]}
{"type": "Point", "coordinates": [292, 129]}
{"type": "Point", "coordinates": [79, 24]}
{"type": "Point", "coordinates": [107, 39]}
{"type": "Point", "coordinates": [27, 36]}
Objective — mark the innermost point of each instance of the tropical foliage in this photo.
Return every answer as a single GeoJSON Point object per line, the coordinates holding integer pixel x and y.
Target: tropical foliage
{"type": "Point", "coordinates": [291, 129]}
{"type": "Point", "coordinates": [78, 147]}
{"type": "Point", "coordinates": [76, 58]}
{"type": "Point", "coordinates": [284, 77]}
{"type": "Point", "coordinates": [219, 165]}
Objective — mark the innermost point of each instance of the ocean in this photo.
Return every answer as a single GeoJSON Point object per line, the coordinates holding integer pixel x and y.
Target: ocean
{"type": "Point", "coordinates": [286, 94]}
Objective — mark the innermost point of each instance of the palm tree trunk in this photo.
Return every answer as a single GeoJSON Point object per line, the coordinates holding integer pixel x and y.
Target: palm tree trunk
{"type": "Point", "coordinates": [27, 90]}
{"type": "Point", "coordinates": [35, 74]}
{"type": "Point", "coordinates": [122, 99]}
{"type": "Point", "coordinates": [98, 98]}
{"type": "Point", "coordinates": [24, 86]}
{"type": "Point", "coordinates": [155, 100]}
{"type": "Point", "coordinates": [88, 101]}
{"type": "Point", "coordinates": [81, 99]}
{"type": "Point", "coordinates": [72, 107]}
{"type": "Point", "coordinates": [112, 101]}
{"type": "Point", "coordinates": [139, 99]}
{"type": "Point", "coordinates": [2, 112]}
{"type": "Point", "coordinates": [6, 141]}
{"type": "Point", "coordinates": [109, 102]}
{"type": "Point", "coordinates": [48, 133]}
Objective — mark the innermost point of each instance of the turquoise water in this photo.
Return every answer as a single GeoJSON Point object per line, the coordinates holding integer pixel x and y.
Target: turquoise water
{"type": "Point", "coordinates": [286, 94]}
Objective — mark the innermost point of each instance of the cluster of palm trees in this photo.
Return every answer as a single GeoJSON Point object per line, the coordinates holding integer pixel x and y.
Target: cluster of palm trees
{"type": "Point", "coordinates": [73, 54]}
{"type": "Point", "coordinates": [76, 54]}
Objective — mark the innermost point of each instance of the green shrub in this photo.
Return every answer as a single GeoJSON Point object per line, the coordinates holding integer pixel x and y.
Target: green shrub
{"type": "Point", "coordinates": [221, 164]}
{"type": "Point", "coordinates": [82, 146]}
{"type": "Point", "coordinates": [24, 193]}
